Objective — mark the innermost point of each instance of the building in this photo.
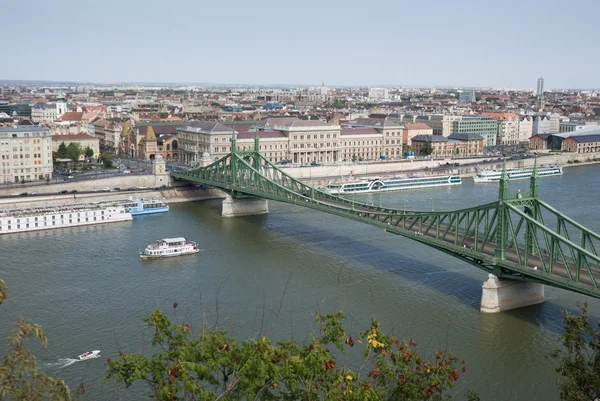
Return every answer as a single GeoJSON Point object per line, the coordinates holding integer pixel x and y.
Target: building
{"type": "Point", "coordinates": [466, 97]}
{"type": "Point", "coordinates": [485, 126]}
{"type": "Point", "coordinates": [84, 141]}
{"type": "Point", "coordinates": [539, 142]}
{"type": "Point", "coordinates": [25, 154]}
{"type": "Point", "coordinates": [309, 140]}
{"type": "Point", "coordinates": [440, 123]}
{"type": "Point", "coordinates": [392, 134]}
{"type": "Point", "coordinates": [360, 144]}
{"type": "Point", "coordinates": [554, 123]}
{"type": "Point", "coordinates": [571, 127]}
{"type": "Point", "coordinates": [413, 129]}
{"type": "Point", "coordinates": [379, 93]}
{"type": "Point", "coordinates": [109, 135]}
{"type": "Point", "coordinates": [540, 87]}
{"type": "Point", "coordinates": [466, 144]}
{"type": "Point", "coordinates": [46, 112]}
{"type": "Point", "coordinates": [508, 128]}
{"type": "Point", "coordinates": [541, 124]}
{"type": "Point", "coordinates": [525, 128]}
{"type": "Point", "coordinates": [136, 143]}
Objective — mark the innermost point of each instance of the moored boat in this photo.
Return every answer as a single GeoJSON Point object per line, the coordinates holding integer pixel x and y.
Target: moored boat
{"type": "Point", "coordinates": [516, 173]}
{"type": "Point", "coordinates": [45, 218]}
{"type": "Point", "coordinates": [390, 184]}
{"type": "Point", "coordinates": [169, 247]}
{"type": "Point", "coordinates": [141, 207]}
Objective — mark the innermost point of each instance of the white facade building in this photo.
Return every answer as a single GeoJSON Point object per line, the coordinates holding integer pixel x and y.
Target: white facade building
{"type": "Point", "coordinates": [25, 154]}
{"type": "Point", "coordinates": [379, 93]}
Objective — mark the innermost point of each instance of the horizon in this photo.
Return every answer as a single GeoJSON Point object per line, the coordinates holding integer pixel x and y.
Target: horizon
{"type": "Point", "coordinates": [433, 44]}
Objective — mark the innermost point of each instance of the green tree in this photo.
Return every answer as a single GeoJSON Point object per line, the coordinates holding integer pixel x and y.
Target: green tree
{"type": "Point", "coordinates": [74, 152]}
{"type": "Point", "coordinates": [406, 148]}
{"type": "Point", "coordinates": [106, 160]}
{"type": "Point", "coordinates": [426, 149]}
{"type": "Point", "coordinates": [213, 365]}
{"type": "Point", "coordinates": [61, 152]}
{"type": "Point", "coordinates": [89, 152]}
{"type": "Point", "coordinates": [19, 377]}
{"type": "Point", "coordinates": [579, 357]}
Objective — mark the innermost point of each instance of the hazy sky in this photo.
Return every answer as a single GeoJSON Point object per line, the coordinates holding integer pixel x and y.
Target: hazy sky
{"type": "Point", "coordinates": [500, 43]}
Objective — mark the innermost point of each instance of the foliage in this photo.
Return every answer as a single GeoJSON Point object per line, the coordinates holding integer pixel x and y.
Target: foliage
{"type": "Point", "coordinates": [106, 160]}
{"type": "Point", "coordinates": [426, 149]}
{"type": "Point", "coordinates": [61, 152]}
{"type": "Point", "coordinates": [579, 357]}
{"type": "Point", "coordinates": [19, 376]}
{"type": "Point", "coordinates": [213, 365]}
{"type": "Point", "coordinates": [406, 148]}
{"type": "Point", "coordinates": [89, 152]}
{"type": "Point", "coordinates": [74, 152]}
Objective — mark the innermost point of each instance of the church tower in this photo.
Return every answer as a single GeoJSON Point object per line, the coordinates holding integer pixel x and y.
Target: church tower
{"type": "Point", "coordinates": [61, 104]}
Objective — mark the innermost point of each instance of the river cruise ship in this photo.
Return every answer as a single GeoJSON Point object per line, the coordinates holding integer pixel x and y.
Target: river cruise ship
{"type": "Point", "coordinates": [390, 184]}
{"type": "Point", "coordinates": [35, 219]}
{"type": "Point", "coordinates": [141, 207]}
{"type": "Point", "coordinates": [169, 247]}
{"type": "Point", "coordinates": [517, 173]}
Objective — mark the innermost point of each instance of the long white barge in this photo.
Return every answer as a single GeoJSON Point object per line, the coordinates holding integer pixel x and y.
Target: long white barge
{"type": "Point", "coordinates": [516, 173]}
{"type": "Point", "coordinates": [47, 218]}
{"type": "Point", "coordinates": [390, 184]}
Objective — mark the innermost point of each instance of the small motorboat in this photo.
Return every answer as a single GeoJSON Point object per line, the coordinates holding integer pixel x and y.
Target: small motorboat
{"type": "Point", "coordinates": [89, 355]}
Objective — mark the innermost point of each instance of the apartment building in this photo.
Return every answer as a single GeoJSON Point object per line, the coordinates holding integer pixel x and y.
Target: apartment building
{"type": "Point", "coordinates": [25, 154]}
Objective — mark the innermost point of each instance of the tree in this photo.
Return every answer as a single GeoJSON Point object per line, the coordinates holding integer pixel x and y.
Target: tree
{"type": "Point", "coordinates": [106, 160]}
{"type": "Point", "coordinates": [89, 152]}
{"type": "Point", "coordinates": [19, 376]}
{"type": "Point", "coordinates": [579, 357]}
{"type": "Point", "coordinates": [426, 149]}
{"type": "Point", "coordinates": [61, 153]}
{"type": "Point", "coordinates": [213, 365]}
{"type": "Point", "coordinates": [73, 152]}
{"type": "Point", "coordinates": [406, 148]}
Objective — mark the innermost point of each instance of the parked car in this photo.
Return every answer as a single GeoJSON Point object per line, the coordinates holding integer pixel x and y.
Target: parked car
{"type": "Point", "coordinates": [70, 176]}
{"type": "Point", "coordinates": [132, 188]}
{"type": "Point", "coordinates": [73, 191]}
{"type": "Point", "coordinates": [64, 191]}
{"type": "Point", "coordinates": [95, 190]}
{"type": "Point", "coordinates": [14, 194]}
{"type": "Point", "coordinates": [105, 189]}
{"type": "Point", "coordinates": [115, 189]}
{"type": "Point", "coordinates": [23, 194]}
{"type": "Point", "coordinates": [34, 193]}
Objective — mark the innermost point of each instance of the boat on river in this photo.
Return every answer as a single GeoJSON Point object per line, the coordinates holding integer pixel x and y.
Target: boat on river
{"type": "Point", "coordinates": [169, 247]}
{"type": "Point", "coordinates": [516, 173]}
{"type": "Point", "coordinates": [140, 207]}
{"type": "Point", "coordinates": [89, 355]}
{"type": "Point", "coordinates": [390, 184]}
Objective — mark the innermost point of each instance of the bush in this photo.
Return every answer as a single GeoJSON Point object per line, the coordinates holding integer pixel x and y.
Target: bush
{"type": "Point", "coordinates": [576, 161]}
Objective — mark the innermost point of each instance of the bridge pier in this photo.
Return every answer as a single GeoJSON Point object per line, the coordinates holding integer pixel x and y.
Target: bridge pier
{"type": "Point", "coordinates": [235, 207]}
{"type": "Point", "coordinates": [499, 295]}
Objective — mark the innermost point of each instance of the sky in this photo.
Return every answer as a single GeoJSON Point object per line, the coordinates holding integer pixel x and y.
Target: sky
{"type": "Point", "coordinates": [478, 43]}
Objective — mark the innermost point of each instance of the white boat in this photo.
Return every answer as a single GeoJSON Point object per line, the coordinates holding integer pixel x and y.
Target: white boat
{"type": "Point", "coordinates": [390, 184]}
{"type": "Point", "coordinates": [139, 207]}
{"type": "Point", "coordinates": [36, 219]}
{"type": "Point", "coordinates": [517, 173]}
{"type": "Point", "coordinates": [169, 247]}
{"type": "Point", "coordinates": [89, 355]}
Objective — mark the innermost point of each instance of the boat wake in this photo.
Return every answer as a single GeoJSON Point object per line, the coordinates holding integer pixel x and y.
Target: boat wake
{"type": "Point", "coordinates": [62, 363]}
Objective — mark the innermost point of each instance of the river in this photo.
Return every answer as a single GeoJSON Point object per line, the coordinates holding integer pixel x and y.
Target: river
{"type": "Point", "coordinates": [88, 289]}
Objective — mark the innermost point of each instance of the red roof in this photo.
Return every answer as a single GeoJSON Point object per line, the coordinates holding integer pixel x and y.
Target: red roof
{"type": "Point", "coordinates": [71, 116]}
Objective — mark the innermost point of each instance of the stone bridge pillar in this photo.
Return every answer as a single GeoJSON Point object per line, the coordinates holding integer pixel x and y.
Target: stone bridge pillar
{"type": "Point", "coordinates": [234, 207]}
{"type": "Point", "coordinates": [499, 295]}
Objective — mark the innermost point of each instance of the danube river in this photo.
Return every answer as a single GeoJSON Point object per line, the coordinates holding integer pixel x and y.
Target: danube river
{"type": "Point", "coordinates": [89, 290]}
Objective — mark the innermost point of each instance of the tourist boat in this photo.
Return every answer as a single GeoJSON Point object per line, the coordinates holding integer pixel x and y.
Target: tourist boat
{"type": "Point", "coordinates": [141, 207]}
{"type": "Point", "coordinates": [517, 173]}
{"type": "Point", "coordinates": [390, 184]}
{"type": "Point", "coordinates": [36, 219]}
{"type": "Point", "coordinates": [89, 355]}
{"type": "Point", "coordinates": [169, 247]}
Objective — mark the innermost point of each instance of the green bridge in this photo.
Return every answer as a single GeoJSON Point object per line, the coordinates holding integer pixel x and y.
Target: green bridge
{"type": "Point", "coordinates": [523, 242]}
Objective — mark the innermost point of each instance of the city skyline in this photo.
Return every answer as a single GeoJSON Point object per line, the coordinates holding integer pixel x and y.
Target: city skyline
{"type": "Point", "coordinates": [433, 44]}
